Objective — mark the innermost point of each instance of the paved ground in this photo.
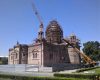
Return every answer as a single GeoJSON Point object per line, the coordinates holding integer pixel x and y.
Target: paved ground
{"type": "Point", "coordinates": [45, 74]}
{"type": "Point", "coordinates": [68, 71]}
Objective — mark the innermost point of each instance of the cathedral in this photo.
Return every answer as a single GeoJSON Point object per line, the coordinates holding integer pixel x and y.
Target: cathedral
{"type": "Point", "coordinates": [46, 51]}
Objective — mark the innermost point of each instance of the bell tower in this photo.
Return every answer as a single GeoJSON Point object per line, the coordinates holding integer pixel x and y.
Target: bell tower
{"type": "Point", "coordinates": [40, 33]}
{"type": "Point", "coordinates": [73, 39]}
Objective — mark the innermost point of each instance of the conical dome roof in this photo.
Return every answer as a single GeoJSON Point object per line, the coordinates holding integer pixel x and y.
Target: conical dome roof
{"type": "Point", "coordinates": [54, 26]}
{"type": "Point", "coordinates": [54, 32]}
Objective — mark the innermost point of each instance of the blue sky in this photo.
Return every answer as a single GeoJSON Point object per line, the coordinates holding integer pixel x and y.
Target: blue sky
{"type": "Point", "coordinates": [19, 23]}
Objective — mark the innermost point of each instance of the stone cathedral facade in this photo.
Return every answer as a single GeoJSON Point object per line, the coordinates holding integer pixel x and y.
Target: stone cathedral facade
{"type": "Point", "coordinates": [46, 51]}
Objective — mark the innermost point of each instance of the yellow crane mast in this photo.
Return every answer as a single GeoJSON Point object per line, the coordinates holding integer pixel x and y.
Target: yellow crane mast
{"type": "Point", "coordinates": [88, 60]}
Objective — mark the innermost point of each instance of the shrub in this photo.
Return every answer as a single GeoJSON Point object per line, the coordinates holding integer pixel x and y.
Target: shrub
{"type": "Point", "coordinates": [84, 76]}
{"type": "Point", "coordinates": [12, 77]}
{"type": "Point", "coordinates": [86, 69]}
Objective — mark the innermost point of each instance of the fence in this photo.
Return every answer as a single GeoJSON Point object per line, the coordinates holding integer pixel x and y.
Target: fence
{"type": "Point", "coordinates": [24, 68]}
{"type": "Point", "coordinates": [98, 63]}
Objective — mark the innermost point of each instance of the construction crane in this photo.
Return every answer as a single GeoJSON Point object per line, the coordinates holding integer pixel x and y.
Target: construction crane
{"type": "Point", "coordinates": [40, 33]}
{"type": "Point", "coordinates": [38, 16]}
{"type": "Point", "coordinates": [88, 60]}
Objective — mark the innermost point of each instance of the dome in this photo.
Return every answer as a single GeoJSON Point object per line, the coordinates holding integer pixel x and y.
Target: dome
{"type": "Point", "coordinates": [54, 33]}
{"type": "Point", "coordinates": [72, 34]}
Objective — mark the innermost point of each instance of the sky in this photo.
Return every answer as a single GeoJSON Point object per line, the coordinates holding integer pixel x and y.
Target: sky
{"type": "Point", "coordinates": [19, 23]}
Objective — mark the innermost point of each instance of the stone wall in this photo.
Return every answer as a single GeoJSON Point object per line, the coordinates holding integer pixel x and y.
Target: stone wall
{"type": "Point", "coordinates": [18, 54]}
{"type": "Point", "coordinates": [13, 57]}
{"type": "Point", "coordinates": [54, 53]}
{"type": "Point", "coordinates": [35, 54]}
{"type": "Point", "coordinates": [74, 56]}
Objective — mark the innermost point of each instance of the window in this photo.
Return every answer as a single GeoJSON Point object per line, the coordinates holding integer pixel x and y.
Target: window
{"type": "Point", "coordinates": [16, 55]}
{"type": "Point", "coordinates": [34, 55]}
{"type": "Point", "coordinates": [11, 57]}
{"type": "Point", "coordinates": [23, 54]}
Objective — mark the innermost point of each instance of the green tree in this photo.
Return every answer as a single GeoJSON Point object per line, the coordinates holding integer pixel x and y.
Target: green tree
{"type": "Point", "coordinates": [3, 60]}
{"type": "Point", "coordinates": [92, 49]}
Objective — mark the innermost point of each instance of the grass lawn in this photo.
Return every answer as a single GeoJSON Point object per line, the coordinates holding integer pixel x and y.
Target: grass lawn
{"type": "Point", "coordinates": [12, 77]}
{"type": "Point", "coordinates": [95, 70]}
{"type": "Point", "coordinates": [5, 79]}
{"type": "Point", "coordinates": [46, 79]}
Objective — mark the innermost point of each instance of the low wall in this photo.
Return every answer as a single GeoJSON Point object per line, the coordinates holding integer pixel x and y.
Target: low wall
{"type": "Point", "coordinates": [62, 67]}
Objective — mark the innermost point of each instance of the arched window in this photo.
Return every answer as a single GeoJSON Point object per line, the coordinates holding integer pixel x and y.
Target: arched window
{"type": "Point", "coordinates": [15, 55]}
{"type": "Point", "coordinates": [23, 54]}
{"type": "Point", "coordinates": [34, 55]}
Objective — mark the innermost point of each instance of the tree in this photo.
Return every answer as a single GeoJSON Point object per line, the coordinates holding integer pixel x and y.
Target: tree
{"type": "Point", "coordinates": [92, 49]}
{"type": "Point", "coordinates": [3, 60]}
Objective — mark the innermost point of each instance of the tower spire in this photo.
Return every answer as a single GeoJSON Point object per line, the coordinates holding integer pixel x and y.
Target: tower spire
{"type": "Point", "coordinates": [41, 33]}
